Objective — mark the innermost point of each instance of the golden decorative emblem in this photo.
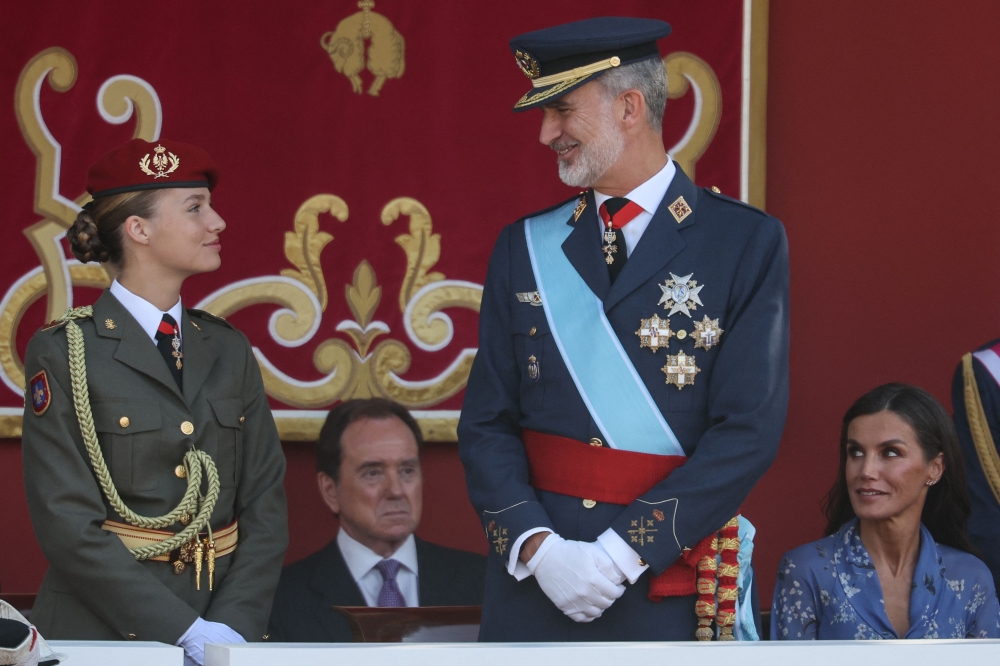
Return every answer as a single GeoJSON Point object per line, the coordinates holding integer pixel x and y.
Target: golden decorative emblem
{"type": "Point", "coordinates": [654, 333]}
{"type": "Point", "coordinates": [527, 63]}
{"type": "Point", "coordinates": [680, 370]}
{"type": "Point", "coordinates": [533, 370]}
{"type": "Point", "coordinates": [706, 333]}
{"type": "Point", "coordinates": [500, 539]}
{"type": "Point", "coordinates": [658, 515]}
{"type": "Point", "coordinates": [164, 162]}
{"type": "Point", "coordinates": [384, 55]}
{"type": "Point", "coordinates": [109, 324]}
{"type": "Point", "coordinates": [580, 207]}
{"type": "Point", "coordinates": [680, 209]}
{"type": "Point", "coordinates": [642, 531]}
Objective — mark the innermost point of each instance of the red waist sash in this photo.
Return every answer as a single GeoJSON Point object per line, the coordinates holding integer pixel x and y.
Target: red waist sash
{"type": "Point", "coordinates": [570, 467]}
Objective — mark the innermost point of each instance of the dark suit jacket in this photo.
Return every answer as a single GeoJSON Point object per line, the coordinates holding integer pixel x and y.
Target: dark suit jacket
{"type": "Point", "coordinates": [308, 588]}
{"type": "Point", "coordinates": [728, 422]}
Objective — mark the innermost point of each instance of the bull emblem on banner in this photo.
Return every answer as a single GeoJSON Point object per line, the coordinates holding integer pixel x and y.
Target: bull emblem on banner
{"type": "Point", "coordinates": [346, 47]}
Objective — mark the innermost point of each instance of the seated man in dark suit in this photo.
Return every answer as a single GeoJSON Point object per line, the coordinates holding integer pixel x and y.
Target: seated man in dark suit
{"type": "Point", "coordinates": [368, 461]}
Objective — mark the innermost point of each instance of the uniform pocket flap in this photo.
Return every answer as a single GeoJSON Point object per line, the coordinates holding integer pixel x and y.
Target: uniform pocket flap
{"type": "Point", "coordinates": [229, 411]}
{"type": "Point", "coordinates": [124, 417]}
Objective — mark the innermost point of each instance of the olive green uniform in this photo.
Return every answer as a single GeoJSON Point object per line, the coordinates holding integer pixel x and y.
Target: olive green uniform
{"type": "Point", "coordinates": [94, 588]}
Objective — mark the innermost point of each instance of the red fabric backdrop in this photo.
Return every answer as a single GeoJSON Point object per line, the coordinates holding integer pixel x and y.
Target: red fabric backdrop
{"type": "Point", "coordinates": [882, 145]}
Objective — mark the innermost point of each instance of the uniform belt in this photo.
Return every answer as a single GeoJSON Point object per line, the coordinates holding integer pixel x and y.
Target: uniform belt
{"type": "Point", "coordinates": [135, 537]}
{"type": "Point", "coordinates": [571, 467]}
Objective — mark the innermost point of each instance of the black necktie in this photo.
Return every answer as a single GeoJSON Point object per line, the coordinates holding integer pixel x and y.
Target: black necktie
{"type": "Point", "coordinates": [615, 249]}
{"type": "Point", "coordinates": [168, 341]}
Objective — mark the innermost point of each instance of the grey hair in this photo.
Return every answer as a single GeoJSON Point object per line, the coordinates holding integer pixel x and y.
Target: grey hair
{"type": "Point", "coordinates": [648, 77]}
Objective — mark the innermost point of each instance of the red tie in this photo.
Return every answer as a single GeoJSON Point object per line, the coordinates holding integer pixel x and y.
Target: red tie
{"type": "Point", "coordinates": [619, 212]}
{"type": "Point", "coordinates": [616, 213]}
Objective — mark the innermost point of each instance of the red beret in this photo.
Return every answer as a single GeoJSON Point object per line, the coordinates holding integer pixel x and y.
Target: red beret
{"type": "Point", "coordinates": [140, 165]}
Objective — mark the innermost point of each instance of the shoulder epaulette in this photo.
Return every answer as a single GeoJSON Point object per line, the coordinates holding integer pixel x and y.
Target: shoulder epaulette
{"type": "Point", "coordinates": [717, 193]}
{"type": "Point", "coordinates": [208, 316]}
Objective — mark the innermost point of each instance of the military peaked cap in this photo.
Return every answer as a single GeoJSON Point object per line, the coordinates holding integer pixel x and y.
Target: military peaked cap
{"type": "Point", "coordinates": [564, 57]}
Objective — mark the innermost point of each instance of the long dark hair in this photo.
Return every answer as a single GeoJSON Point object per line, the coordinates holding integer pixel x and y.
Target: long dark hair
{"type": "Point", "coordinates": [946, 508]}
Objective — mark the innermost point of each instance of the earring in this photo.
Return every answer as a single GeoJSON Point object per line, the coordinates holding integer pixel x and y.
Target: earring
{"type": "Point", "coordinates": [931, 483]}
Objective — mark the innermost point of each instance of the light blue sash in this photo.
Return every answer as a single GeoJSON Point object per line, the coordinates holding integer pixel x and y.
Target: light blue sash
{"type": "Point", "coordinates": [617, 399]}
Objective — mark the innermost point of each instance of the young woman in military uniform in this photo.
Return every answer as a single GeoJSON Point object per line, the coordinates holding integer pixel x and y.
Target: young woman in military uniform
{"type": "Point", "coordinates": [152, 464]}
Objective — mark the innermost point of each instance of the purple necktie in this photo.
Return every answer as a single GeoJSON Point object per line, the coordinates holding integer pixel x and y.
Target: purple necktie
{"type": "Point", "coordinates": [390, 595]}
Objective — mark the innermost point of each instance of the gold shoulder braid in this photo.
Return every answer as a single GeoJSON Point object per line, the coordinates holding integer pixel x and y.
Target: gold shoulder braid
{"type": "Point", "coordinates": [194, 461]}
{"type": "Point", "coordinates": [986, 449]}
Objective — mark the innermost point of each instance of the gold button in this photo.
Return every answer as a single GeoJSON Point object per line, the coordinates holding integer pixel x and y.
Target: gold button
{"type": "Point", "coordinates": [596, 441]}
{"type": "Point", "coordinates": [187, 428]}
{"type": "Point", "coordinates": [242, 419]}
{"type": "Point", "coordinates": [589, 504]}
{"type": "Point", "coordinates": [186, 519]}
{"type": "Point", "coordinates": [533, 330]}
{"type": "Point", "coordinates": [123, 421]}
{"type": "Point", "coordinates": [681, 334]}
{"type": "Point", "coordinates": [180, 471]}
{"type": "Point", "coordinates": [716, 189]}
{"type": "Point", "coordinates": [179, 567]}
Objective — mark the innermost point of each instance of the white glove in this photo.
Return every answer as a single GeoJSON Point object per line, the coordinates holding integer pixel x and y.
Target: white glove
{"type": "Point", "coordinates": [580, 578]}
{"type": "Point", "coordinates": [201, 632]}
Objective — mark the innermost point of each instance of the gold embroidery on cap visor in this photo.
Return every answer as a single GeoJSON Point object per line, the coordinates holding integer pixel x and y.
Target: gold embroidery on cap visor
{"type": "Point", "coordinates": [527, 63]}
{"type": "Point", "coordinates": [563, 81]}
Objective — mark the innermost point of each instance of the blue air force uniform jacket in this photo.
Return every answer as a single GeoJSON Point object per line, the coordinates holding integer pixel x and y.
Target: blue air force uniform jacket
{"type": "Point", "coordinates": [984, 521]}
{"type": "Point", "coordinates": [728, 422]}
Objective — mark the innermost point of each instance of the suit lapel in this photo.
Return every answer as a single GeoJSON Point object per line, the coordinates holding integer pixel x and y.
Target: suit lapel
{"type": "Point", "coordinates": [135, 348]}
{"type": "Point", "coordinates": [583, 249]}
{"type": "Point", "coordinates": [660, 242]}
{"type": "Point", "coordinates": [199, 357]}
{"type": "Point", "coordinates": [333, 581]}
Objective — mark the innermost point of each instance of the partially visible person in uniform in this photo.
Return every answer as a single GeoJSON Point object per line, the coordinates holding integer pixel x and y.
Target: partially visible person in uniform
{"type": "Point", "coordinates": [369, 475]}
{"type": "Point", "coordinates": [975, 403]}
{"type": "Point", "coordinates": [896, 561]}
{"type": "Point", "coordinates": [152, 464]}
{"type": "Point", "coordinates": [632, 376]}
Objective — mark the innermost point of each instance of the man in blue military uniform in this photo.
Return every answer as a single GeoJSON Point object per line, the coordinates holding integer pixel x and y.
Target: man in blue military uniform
{"type": "Point", "coordinates": [975, 399]}
{"type": "Point", "coordinates": [632, 377]}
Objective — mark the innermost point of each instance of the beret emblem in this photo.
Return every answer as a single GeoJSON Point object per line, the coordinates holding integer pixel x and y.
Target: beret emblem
{"type": "Point", "coordinates": [164, 162]}
{"type": "Point", "coordinates": [527, 63]}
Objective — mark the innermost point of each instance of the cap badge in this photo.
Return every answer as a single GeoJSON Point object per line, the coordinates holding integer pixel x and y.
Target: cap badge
{"type": "Point", "coordinates": [680, 294]}
{"type": "Point", "coordinates": [164, 162]}
{"type": "Point", "coordinates": [527, 63]}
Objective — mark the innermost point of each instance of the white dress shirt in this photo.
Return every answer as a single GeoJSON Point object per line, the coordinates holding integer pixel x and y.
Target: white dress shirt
{"type": "Point", "coordinates": [361, 561]}
{"type": "Point", "coordinates": [148, 315]}
{"type": "Point", "coordinates": [648, 196]}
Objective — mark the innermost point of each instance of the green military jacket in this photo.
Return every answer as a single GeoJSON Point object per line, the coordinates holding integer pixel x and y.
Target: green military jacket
{"type": "Point", "coordinates": [94, 588]}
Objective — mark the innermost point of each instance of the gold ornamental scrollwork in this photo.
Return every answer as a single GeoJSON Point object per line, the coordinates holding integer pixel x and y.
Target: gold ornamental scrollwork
{"type": "Point", "coordinates": [365, 362]}
{"type": "Point", "coordinates": [684, 72]}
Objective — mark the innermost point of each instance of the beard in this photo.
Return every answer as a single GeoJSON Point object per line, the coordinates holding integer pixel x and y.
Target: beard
{"type": "Point", "coordinates": [594, 158]}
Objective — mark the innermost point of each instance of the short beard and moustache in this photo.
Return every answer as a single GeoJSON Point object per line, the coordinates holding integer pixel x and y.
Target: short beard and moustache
{"type": "Point", "coordinates": [593, 159]}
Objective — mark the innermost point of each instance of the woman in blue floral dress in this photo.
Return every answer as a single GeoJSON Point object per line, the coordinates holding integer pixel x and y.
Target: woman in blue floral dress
{"type": "Point", "coordinates": [896, 562]}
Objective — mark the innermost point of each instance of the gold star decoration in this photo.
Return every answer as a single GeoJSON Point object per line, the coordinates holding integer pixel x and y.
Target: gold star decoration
{"type": "Point", "coordinates": [707, 333]}
{"type": "Point", "coordinates": [654, 333]}
{"type": "Point", "coordinates": [680, 370]}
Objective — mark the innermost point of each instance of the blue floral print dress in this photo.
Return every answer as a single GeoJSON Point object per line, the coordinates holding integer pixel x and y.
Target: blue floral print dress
{"type": "Point", "coordinates": [829, 590]}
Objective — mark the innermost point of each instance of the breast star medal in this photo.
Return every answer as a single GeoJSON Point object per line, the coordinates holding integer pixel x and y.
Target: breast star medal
{"type": "Point", "coordinates": [680, 294]}
{"type": "Point", "coordinates": [654, 333]}
{"type": "Point", "coordinates": [706, 333]}
{"type": "Point", "coordinates": [680, 370]}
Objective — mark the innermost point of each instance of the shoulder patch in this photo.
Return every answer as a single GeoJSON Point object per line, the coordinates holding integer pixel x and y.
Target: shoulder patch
{"type": "Point", "coordinates": [717, 194]}
{"type": "Point", "coordinates": [41, 397]}
{"type": "Point", "coordinates": [208, 316]}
